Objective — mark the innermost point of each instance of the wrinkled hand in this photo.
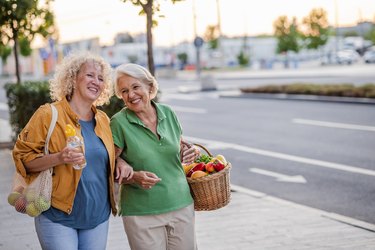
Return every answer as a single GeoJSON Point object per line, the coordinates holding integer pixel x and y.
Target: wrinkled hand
{"type": "Point", "coordinates": [123, 171]}
{"type": "Point", "coordinates": [146, 179]}
{"type": "Point", "coordinates": [188, 153]}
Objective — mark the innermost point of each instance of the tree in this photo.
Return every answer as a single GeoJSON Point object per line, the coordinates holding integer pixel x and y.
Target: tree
{"type": "Point", "coordinates": [317, 28]}
{"type": "Point", "coordinates": [20, 21]}
{"type": "Point", "coordinates": [149, 8]}
{"type": "Point", "coordinates": [371, 35]}
{"type": "Point", "coordinates": [183, 58]}
{"type": "Point", "coordinates": [212, 36]}
{"type": "Point", "coordinates": [287, 34]}
{"type": "Point", "coordinates": [5, 51]}
{"type": "Point", "coordinates": [243, 59]}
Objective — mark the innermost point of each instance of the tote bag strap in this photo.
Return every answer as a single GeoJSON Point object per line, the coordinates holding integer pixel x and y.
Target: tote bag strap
{"type": "Point", "coordinates": [51, 127]}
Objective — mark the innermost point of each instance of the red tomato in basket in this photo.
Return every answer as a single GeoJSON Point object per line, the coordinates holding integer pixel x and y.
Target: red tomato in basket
{"type": "Point", "coordinates": [200, 166]}
{"type": "Point", "coordinates": [218, 165]}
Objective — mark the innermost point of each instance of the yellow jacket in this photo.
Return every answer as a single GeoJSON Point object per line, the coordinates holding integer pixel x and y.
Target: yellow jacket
{"type": "Point", "coordinates": [30, 145]}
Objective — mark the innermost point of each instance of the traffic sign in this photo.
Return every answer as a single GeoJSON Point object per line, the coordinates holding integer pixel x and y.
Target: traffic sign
{"type": "Point", "coordinates": [198, 42]}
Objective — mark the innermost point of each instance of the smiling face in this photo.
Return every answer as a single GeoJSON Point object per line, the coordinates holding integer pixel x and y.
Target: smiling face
{"type": "Point", "coordinates": [89, 83]}
{"type": "Point", "coordinates": [134, 93]}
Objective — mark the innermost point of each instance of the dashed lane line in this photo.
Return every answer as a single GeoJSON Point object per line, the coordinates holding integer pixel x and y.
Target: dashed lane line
{"type": "Point", "coordinates": [333, 124]}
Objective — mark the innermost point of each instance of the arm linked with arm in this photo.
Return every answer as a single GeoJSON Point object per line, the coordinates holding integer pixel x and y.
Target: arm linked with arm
{"type": "Point", "coordinates": [124, 172]}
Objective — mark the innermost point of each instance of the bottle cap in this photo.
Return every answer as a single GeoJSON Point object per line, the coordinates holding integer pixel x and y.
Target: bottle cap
{"type": "Point", "coordinates": [70, 130]}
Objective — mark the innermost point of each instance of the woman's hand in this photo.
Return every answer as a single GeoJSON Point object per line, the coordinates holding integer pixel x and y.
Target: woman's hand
{"type": "Point", "coordinates": [66, 156]}
{"type": "Point", "coordinates": [146, 179]}
{"type": "Point", "coordinates": [72, 156]}
{"type": "Point", "coordinates": [123, 171]}
{"type": "Point", "coordinates": [188, 152]}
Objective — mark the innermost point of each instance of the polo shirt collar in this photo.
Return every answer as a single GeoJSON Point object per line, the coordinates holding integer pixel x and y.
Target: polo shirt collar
{"type": "Point", "coordinates": [133, 118]}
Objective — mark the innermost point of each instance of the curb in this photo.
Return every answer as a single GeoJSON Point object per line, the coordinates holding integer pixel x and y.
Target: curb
{"type": "Point", "coordinates": [338, 99]}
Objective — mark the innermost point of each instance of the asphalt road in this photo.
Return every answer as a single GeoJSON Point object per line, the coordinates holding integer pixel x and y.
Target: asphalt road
{"type": "Point", "coordinates": [312, 153]}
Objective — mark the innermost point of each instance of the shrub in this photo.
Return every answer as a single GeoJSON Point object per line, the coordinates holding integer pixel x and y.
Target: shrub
{"type": "Point", "coordinates": [346, 90]}
{"type": "Point", "coordinates": [23, 100]}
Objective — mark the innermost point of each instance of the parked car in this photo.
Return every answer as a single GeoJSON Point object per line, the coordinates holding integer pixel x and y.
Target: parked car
{"type": "Point", "coordinates": [369, 56]}
{"type": "Point", "coordinates": [345, 56]}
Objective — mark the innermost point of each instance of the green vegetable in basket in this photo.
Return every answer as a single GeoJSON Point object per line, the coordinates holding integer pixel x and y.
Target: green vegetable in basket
{"type": "Point", "coordinates": [203, 158]}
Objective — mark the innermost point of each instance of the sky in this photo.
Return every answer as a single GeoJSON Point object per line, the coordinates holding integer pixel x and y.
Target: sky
{"type": "Point", "coordinates": [82, 19]}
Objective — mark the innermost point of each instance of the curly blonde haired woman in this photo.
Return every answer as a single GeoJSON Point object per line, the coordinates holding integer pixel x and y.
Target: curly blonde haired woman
{"type": "Point", "coordinates": [82, 200]}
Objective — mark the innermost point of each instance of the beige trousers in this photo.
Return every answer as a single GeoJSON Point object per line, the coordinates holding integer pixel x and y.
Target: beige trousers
{"type": "Point", "coordinates": [169, 231]}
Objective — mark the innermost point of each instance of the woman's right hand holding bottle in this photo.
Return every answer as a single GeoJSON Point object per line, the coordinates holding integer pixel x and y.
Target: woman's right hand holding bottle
{"type": "Point", "coordinates": [72, 156]}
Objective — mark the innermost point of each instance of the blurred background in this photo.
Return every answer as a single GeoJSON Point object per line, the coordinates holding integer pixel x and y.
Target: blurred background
{"type": "Point", "coordinates": [191, 34]}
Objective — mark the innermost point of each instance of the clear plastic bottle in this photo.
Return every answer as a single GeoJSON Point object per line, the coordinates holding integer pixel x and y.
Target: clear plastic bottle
{"type": "Point", "coordinates": [73, 141]}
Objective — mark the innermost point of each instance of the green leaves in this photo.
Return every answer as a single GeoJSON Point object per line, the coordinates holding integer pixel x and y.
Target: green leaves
{"type": "Point", "coordinates": [287, 34]}
{"type": "Point", "coordinates": [23, 100]}
{"type": "Point", "coordinates": [25, 48]}
{"type": "Point", "coordinates": [317, 29]}
{"type": "Point", "coordinates": [20, 21]}
{"type": "Point", "coordinates": [5, 51]}
{"type": "Point", "coordinates": [346, 90]}
{"type": "Point", "coordinates": [203, 158]}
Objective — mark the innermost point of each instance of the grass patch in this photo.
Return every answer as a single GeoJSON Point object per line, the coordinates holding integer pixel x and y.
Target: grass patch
{"type": "Point", "coordinates": [344, 90]}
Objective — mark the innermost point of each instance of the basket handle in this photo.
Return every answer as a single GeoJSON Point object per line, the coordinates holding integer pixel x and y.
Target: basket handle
{"type": "Point", "coordinates": [205, 149]}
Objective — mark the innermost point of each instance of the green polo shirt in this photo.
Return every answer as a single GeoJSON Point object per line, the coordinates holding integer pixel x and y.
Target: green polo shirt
{"type": "Point", "coordinates": [143, 150]}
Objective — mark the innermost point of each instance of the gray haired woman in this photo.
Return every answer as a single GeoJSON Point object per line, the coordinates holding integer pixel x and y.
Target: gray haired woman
{"type": "Point", "coordinates": [156, 204]}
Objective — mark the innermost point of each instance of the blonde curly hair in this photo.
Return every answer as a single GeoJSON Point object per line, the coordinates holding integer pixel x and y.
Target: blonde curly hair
{"type": "Point", "coordinates": [66, 74]}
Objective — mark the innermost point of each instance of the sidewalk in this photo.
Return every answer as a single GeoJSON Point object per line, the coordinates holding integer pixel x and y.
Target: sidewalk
{"type": "Point", "coordinates": [251, 221]}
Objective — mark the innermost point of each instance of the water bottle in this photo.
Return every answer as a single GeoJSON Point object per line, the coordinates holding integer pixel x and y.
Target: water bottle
{"type": "Point", "coordinates": [73, 141]}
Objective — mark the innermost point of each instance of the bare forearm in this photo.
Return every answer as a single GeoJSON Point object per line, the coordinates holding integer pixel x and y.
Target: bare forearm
{"type": "Point", "coordinates": [126, 165]}
{"type": "Point", "coordinates": [43, 163]}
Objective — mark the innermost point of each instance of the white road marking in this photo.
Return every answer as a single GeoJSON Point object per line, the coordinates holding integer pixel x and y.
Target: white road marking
{"type": "Point", "coordinates": [334, 124]}
{"type": "Point", "coordinates": [283, 156]}
{"type": "Point", "coordinates": [278, 176]}
{"type": "Point", "coordinates": [189, 110]}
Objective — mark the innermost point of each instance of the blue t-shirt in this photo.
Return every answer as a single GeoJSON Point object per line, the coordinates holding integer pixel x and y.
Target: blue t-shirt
{"type": "Point", "coordinates": [91, 203]}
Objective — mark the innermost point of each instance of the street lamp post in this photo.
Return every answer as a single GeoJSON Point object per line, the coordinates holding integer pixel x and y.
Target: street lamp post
{"type": "Point", "coordinates": [198, 42]}
{"type": "Point", "coordinates": [336, 28]}
{"type": "Point", "coordinates": [220, 40]}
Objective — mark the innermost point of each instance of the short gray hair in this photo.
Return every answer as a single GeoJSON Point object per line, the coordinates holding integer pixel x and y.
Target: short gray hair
{"type": "Point", "coordinates": [138, 72]}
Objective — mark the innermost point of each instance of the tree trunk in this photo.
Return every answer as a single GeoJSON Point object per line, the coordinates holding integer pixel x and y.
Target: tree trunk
{"type": "Point", "coordinates": [15, 51]}
{"type": "Point", "coordinates": [150, 54]}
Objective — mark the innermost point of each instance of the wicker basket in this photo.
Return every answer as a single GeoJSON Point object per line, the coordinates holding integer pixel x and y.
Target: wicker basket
{"type": "Point", "coordinates": [212, 191]}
